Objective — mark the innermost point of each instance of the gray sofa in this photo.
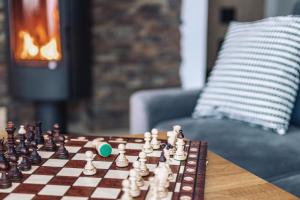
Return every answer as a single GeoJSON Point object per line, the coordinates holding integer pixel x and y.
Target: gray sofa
{"type": "Point", "coordinates": [270, 156]}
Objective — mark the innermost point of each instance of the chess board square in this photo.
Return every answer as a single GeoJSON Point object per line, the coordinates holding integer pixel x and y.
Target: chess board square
{"type": "Point", "coordinates": [33, 168]}
{"type": "Point", "coordinates": [62, 180]}
{"type": "Point", "coordinates": [115, 151]}
{"type": "Point", "coordinates": [16, 196]}
{"type": "Point", "coordinates": [76, 163]}
{"type": "Point", "coordinates": [177, 187]}
{"type": "Point", "coordinates": [181, 169]}
{"type": "Point", "coordinates": [28, 188]}
{"type": "Point", "coordinates": [106, 193]}
{"type": "Point", "coordinates": [89, 144]}
{"type": "Point", "coordinates": [102, 164]}
{"type": "Point", "coordinates": [47, 170]}
{"type": "Point", "coordinates": [174, 162]}
{"type": "Point", "coordinates": [54, 190]}
{"type": "Point", "coordinates": [70, 172]}
{"type": "Point", "coordinates": [38, 179]}
{"type": "Point", "coordinates": [55, 162]}
{"type": "Point", "coordinates": [116, 174]}
{"type": "Point", "coordinates": [74, 198]}
{"type": "Point", "coordinates": [80, 191]}
{"type": "Point", "coordinates": [132, 158]}
{"type": "Point", "coordinates": [87, 181]}
{"type": "Point", "coordinates": [73, 149]}
{"type": "Point", "coordinates": [111, 183]}
{"type": "Point", "coordinates": [138, 146]}
{"type": "Point", "coordinates": [8, 190]}
{"type": "Point", "coordinates": [46, 154]}
{"type": "Point", "coordinates": [79, 156]}
{"type": "Point", "coordinates": [154, 153]}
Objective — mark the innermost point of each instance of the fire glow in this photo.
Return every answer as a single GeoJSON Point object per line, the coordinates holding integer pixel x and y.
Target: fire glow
{"type": "Point", "coordinates": [31, 50]}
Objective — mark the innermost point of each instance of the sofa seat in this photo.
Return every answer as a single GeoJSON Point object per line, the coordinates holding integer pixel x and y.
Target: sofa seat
{"type": "Point", "coordinates": [266, 154]}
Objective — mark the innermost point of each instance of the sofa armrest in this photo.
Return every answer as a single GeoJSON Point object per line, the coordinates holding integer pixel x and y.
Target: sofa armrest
{"type": "Point", "coordinates": [149, 107]}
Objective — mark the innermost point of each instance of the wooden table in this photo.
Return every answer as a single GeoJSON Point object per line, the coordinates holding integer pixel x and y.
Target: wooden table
{"type": "Point", "coordinates": [225, 180]}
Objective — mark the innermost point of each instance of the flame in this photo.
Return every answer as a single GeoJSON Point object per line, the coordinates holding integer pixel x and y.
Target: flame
{"type": "Point", "coordinates": [30, 50]}
{"type": "Point", "coordinates": [49, 51]}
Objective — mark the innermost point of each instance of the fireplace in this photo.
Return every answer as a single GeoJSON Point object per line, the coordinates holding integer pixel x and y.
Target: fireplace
{"type": "Point", "coordinates": [48, 54]}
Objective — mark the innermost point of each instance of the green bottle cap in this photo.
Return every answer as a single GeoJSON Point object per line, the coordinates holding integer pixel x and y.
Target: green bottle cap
{"type": "Point", "coordinates": [104, 149]}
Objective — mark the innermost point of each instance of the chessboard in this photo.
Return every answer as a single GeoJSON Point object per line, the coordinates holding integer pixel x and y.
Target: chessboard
{"type": "Point", "coordinates": [57, 178]}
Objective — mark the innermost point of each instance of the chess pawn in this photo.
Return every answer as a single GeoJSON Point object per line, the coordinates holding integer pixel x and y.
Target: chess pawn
{"type": "Point", "coordinates": [154, 142]}
{"type": "Point", "coordinates": [39, 133]}
{"type": "Point", "coordinates": [171, 142]}
{"type": "Point", "coordinates": [122, 160]}
{"type": "Point", "coordinates": [5, 182]}
{"type": "Point", "coordinates": [144, 171]}
{"type": "Point", "coordinates": [3, 159]}
{"type": "Point", "coordinates": [14, 173]}
{"type": "Point", "coordinates": [50, 144]}
{"type": "Point", "coordinates": [35, 158]}
{"type": "Point", "coordinates": [167, 163]}
{"type": "Point", "coordinates": [22, 148]}
{"type": "Point", "coordinates": [126, 190]}
{"type": "Point", "coordinates": [139, 179]}
{"type": "Point", "coordinates": [62, 152]}
{"type": "Point", "coordinates": [180, 154]}
{"type": "Point", "coordinates": [134, 189]}
{"type": "Point", "coordinates": [176, 129]}
{"type": "Point", "coordinates": [25, 164]}
{"type": "Point", "coordinates": [161, 175]}
{"type": "Point", "coordinates": [153, 192]}
{"type": "Point", "coordinates": [147, 148]}
{"type": "Point", "coordinates": [89, 168]}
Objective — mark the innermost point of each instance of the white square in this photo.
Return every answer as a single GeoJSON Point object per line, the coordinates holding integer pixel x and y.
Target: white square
{"type": "Point", "coordinates": [54, 190]}
{"type": "Point", "coordinates": [79, 156]}
{"type": "Point", "coordinates": [116, 174]}
{"type": "Point", "coordinates": [87, 182]}
{"type": "Point", "coordinates": [177, 187]}
{"type": "Point", "coordinates": [154, 154]}
{"type": "Point", "coordinates": [16, 196]}
{"type": "Point", "coordinates": [38, 179]}
{"type": "Point", "coordinates": [151, 167]}
{"type": "Point", "coordinates": [74, 198]}
{"type": "Point", "coordinates": [55, 163]}
{"type": "Point", "coordinates": [173, 180]}
{"type": "Point", "coordinates": [114, 151]}
{"type": "Point", "coordinates": [8, 190]}
{"type": "Point", "coordinates": [46, 154]}
{"type": "Point", "coordinates": [136, 146]}
{"type": "Point", "coordinates": [70, 172]}
{"type": "Point", "coordinates": [89, 144]}
{"type": "Point", "coordinates": [132, 158]}
{"type": "Point", "coordinates": [106, 193]}
{"type": "Point", "coordinates": [73, 149]}
{"type": "Point", "coordinates": [102, 164]}
{"type": "Point", "coordinates": [181, 169]}
{"type": "Point", "coordinates": [33, 168]}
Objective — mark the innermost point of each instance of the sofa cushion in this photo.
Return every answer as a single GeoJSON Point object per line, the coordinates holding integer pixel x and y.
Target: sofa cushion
{"type": "Point", "coordinates": [261, 152]}
{"type": "Point", "coordinates": [256, 76]}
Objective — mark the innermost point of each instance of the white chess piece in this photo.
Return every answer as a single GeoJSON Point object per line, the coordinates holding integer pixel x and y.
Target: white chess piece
{"type": "Point", "coordinates": [147, 148]}
{"type": "Point", "coordinates": [89, 168]}
{"type": "Point", "coordinates": [154, 142]}
{"type": "Point", "coordinates": [134, 189]}
{"type": "Point", "coordinates": [122, 160]}
{"type": "Point", "coordinates": [167, 163]}
{"type": "Point", "coordinates": [161, 174]}
{"type": "Point", "coordinates": [180, 154]}
{"type": "Point", "coordinates": [144, 171]}
{"type": "Point", "coordinates": [126, 190]}
{"type": "Point", "coordinates": [153, 191]}
{"type": "Point", "coordinates": [172, 141]}
{"type": "Point", "coordinates": [139, 179]}
{"type": "Point", "coordinates": [176, 129]}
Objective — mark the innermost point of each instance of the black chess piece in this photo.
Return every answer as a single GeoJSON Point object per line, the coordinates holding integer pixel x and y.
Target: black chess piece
{"type": "Point", "coordinates": [25, 164]}
{"type": "Point", "coordinates": [62, 152]}
{"type": "Point", "coordinates": [56, 131]}
{"type": "Point", "coordinates": [22, 147]}
{"type": "Point", "coordinates": [14, 173]}
{"type": "Point", "coordinates": [5, 181]}
{"type": "Point", "coordinates": [30, 135]}
{"type": "Point", "coordinates": [180, 134]}
{"type": "Point", "coordinates": [3, 159]}
{"type": "Point", "coordinates": [39, 133]}
{"type": "Point", "coordinates": [10, 129]}
{"type": "Point", "coordinates": [35, 158]}
{"type": "Point", "coordinates": [50, 145]}
{"type": "Point", "coordinates": [162, 157]}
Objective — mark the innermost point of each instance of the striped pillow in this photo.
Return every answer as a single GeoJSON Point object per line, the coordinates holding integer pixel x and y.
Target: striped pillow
{"type": "Point", "coordinates": [256, 76]}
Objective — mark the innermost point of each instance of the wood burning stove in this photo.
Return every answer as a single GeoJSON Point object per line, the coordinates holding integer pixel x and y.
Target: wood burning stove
{"type": "Point", "coordinates": [48, 54]}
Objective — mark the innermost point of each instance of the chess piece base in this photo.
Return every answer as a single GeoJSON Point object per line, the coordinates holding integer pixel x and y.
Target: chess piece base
{"type": "Point", "coordinates": [147, 151]}
{"type": "Point", "coordinates": [156, 146]}
{"type": "Point", "coordinates": [5, 184]}
{"type": "Point", "coordinates": [135, 193]}
{"type": "Point", "coordinates": [15, 176]}
{"type": "Point", "coordinates": [122, 163]}
{"type": "Point", "coordinates": [89, 172]}
{"type": "Point", "coordinates": [180, 157]}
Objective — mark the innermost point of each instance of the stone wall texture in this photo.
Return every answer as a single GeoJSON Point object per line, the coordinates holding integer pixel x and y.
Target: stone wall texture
{"type": "Point", "coordinates": [136, 45]}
